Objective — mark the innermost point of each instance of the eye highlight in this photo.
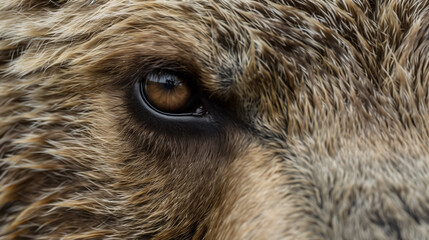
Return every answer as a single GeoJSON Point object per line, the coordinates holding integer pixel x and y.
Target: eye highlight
{"type": "Point", "coordinates": [170, 93]}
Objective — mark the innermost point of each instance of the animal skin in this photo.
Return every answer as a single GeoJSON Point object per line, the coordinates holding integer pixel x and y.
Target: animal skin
{"type": "Point", "coordinates": [315, 122]}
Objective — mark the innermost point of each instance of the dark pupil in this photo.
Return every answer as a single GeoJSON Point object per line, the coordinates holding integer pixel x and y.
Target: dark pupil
{"type": "Point", "coordinates": [169, 84]}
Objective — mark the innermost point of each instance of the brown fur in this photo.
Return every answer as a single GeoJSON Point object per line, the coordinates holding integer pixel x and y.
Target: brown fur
{"type": "Point", "coordinates": [325, 132]}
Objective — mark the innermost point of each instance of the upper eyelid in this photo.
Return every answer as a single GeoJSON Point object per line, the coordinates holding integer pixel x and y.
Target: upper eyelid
{"type": "Point", "coordinates": [184, 71]}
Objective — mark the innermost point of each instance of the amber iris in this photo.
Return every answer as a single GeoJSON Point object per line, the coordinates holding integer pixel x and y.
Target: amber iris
{"type": "Point", "coordinates": [167, 92]}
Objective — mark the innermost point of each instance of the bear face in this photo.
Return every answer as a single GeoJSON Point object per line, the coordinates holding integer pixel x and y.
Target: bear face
{"type": "Point", "coordinates": [214, 119]}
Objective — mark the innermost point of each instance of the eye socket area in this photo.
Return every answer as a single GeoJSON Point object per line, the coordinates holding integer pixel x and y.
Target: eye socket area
{"type": "Point", "coordinates": [190, 113]}
{"type": "Point", "coordinates": [172, 94]}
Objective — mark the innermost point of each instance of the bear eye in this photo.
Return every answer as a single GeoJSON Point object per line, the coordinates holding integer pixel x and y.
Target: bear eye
{"type": "Point", "coordinates": [170, 93]}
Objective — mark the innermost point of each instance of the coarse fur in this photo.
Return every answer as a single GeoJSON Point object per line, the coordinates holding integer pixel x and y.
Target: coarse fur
{"type": "Point", "coordinates": [322, 134]}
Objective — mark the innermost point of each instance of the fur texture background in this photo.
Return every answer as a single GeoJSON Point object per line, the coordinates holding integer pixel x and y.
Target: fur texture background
{"type": "Point", "coordinates": [326, 135]}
